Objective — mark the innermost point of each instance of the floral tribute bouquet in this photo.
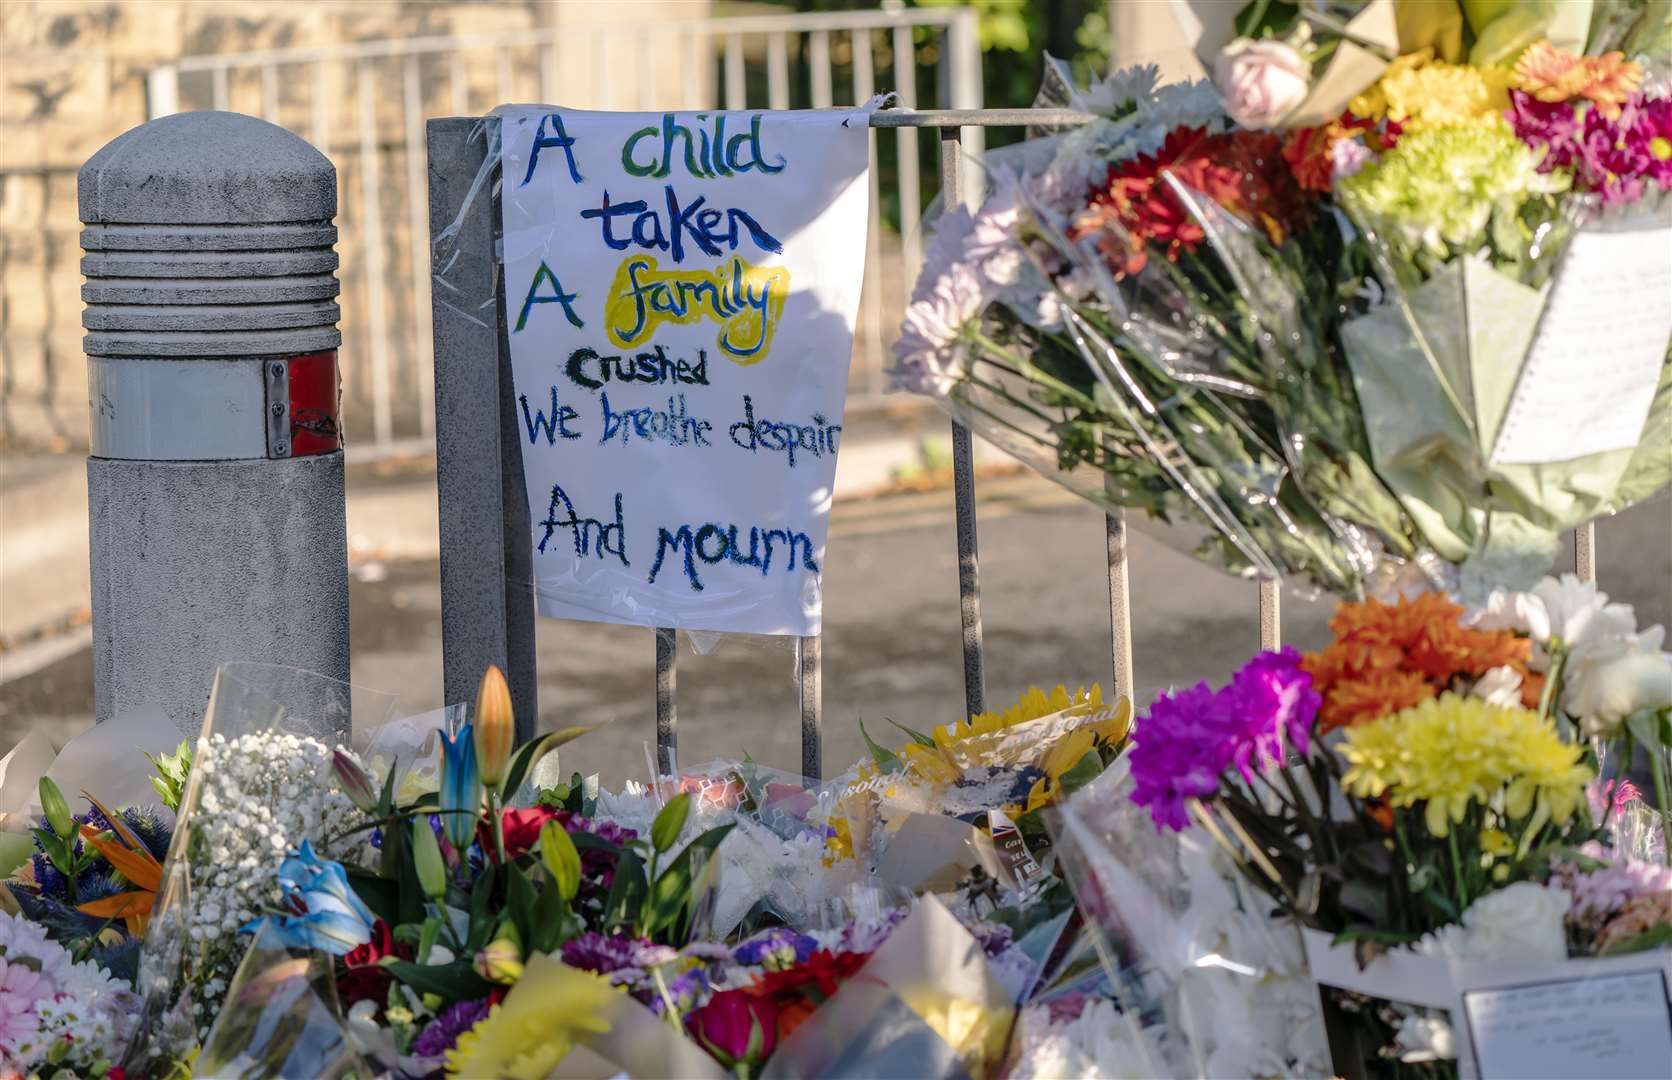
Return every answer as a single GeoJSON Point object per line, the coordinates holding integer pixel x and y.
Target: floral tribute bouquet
{"type": "Point", "coordinates": [1436, 783]}
{"type": "Point", "coordinates": [1339, 352]}
{"type": "Point", "coordinates": [432, 900]}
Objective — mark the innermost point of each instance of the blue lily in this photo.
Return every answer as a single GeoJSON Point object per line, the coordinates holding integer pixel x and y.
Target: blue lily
{"type": "Point", "coordinates": [461, 788]}
{"type": "Point", "coordinates": [321, 909]}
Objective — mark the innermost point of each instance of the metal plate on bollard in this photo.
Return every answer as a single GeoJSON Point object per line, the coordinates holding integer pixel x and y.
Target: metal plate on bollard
{"type": "Point", "coordinates": [214, 410]}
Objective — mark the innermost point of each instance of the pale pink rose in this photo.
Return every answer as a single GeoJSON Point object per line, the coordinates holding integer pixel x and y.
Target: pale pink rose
{"type": "Point", "coordinates": [1261, 81]}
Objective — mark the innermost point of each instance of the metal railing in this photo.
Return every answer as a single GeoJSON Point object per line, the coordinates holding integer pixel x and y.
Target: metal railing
{"type": "Point", "coordinates": [365, 106]}
{"type": "Point", "coordinates": [486, 537]}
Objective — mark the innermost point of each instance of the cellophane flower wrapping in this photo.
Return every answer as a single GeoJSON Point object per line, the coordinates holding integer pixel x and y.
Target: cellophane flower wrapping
{"type": "Point", "coordinates": [261, 783]}
{"type": "Point", "coordinates": [1489, 272]}
{"type": "Point", "coordinates": [281, 1017]}
{"type": "Point", "coordinates": [924, 814]}
{"type": "Point", "coordinates": [1208, 982]}
{"type": "Point", "coordinates": [1140, 311]}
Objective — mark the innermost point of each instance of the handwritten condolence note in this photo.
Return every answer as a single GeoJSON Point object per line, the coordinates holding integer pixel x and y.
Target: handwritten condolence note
{"type": "Point", "coordinates": [1591, 376]}
{"type": "Point", "coordinates": [680, 296]}
{"type": "Point", "coordinates": [1614, 1025]}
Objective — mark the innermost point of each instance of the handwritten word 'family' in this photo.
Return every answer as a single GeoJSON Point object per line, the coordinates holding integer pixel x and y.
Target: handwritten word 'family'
{"type": "Point", "coordinates": [746, 301]}
{"type": "Point", "coordinates": [709, 544]}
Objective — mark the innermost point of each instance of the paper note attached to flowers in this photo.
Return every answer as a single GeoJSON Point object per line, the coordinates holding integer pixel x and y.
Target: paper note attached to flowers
{"type": "Point", "coordinates": [680, 295]}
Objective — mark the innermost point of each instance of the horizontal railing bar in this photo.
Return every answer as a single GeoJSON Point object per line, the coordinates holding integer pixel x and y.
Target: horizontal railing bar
{"type": "Point", "coordinates": [951, 118]}
{"type": "Point", "coordinates": [745, 24]}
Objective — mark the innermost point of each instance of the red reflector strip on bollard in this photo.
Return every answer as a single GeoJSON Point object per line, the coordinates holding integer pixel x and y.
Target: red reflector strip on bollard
{"type": "Point", "coordinates": [312, 406]}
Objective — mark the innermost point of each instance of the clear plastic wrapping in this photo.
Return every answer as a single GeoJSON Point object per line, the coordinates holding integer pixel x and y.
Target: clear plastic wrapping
{"type": "Point", "coordinates": [1208, 981]}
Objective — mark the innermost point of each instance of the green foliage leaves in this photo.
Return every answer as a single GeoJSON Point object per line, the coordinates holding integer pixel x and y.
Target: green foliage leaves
{"type": "Point", "coordinates": [670, 822]}
{"type": "Point", "coordinates": [561, 860]}
{"type": "Point", "coordinates": [172, 771]}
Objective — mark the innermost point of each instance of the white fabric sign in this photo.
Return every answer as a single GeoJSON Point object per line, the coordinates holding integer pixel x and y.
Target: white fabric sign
{"type": "Point", "coordinates": [680, 295]}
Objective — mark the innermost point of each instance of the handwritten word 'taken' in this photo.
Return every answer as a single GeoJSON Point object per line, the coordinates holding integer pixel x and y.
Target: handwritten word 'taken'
{"type": "Point", "coordinates": [714, 232]}
{"type": "Point", "coordinates": [706, 154]}
{"type": "Point", "coordinates": [747, 301]}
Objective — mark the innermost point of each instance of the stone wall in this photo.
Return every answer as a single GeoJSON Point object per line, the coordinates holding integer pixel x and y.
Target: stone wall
{"type": "Point", "coordinates": [73, 76]}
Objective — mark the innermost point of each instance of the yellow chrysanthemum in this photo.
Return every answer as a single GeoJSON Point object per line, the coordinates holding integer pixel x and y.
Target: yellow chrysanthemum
{"type": "Point", "coordinates": [1452, 751]}
{"type": "Point", "coordinates": [938, 762]}
{"type": "Point", "coordinates": [1420, 92]}
{"type": "Point", "coordinates": [526, 1035]}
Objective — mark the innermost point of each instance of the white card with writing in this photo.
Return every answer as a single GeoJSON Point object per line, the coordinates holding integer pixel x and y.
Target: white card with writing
{"type": "Point", "coordinates": [680, 296]}
{"type": "Point", "coordinates": [1591, 374]}
{"type": "Point", "coordinates": [1616, 1025]}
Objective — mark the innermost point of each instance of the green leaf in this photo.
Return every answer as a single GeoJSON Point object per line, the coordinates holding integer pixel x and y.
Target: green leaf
{"type": "Point", "coordinates": [670, 822]}
{"type": "Point", "coordinates": [1087, 769]}
{"type": "Point", "coordinates": [885, 758]}
{"type": "Point", "coordinates": [456, 981]}
{"type": "Point", "coordinates": [380, 894]}
{"type": "Point", "coordinates": [549, 918]}
{"type": "Point", "coordinates": [519, 902]}
{"type": "Point", "coordinates": [561, 859]}
{"type": "Point", "coordinates": [56, 809]}
{"type": "Point", "coordinates": [915, 736]}
{"type": "Point", "coordinates": [1653, 938]}
{"type": "Point", "coordinates": [621, 907]}
{"type": "Point", "coordinates": [532, 751]}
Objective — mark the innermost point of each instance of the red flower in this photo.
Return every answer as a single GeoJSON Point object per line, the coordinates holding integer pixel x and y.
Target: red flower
{"type": "Point", "coordinates": [522, 829]}
{"type": "Point", "coordinates": [361, 977]}
{"type": "Point", "coordinates": [737, 1027]}
{"type": "Point", "coordinates": [1238, 171]}
{"type": "Point", "coordinates": [1310, 151]}
{"type": "Point", "coordinates": [821, 974]}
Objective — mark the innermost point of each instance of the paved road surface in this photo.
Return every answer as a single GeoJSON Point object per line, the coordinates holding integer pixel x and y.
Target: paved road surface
{"type": "Point", "coordinates": [891, 641]}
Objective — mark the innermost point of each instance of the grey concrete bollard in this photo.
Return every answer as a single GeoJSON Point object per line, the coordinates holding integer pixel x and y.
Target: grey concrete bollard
{"type": "Point", "coordinates": [215, 483]}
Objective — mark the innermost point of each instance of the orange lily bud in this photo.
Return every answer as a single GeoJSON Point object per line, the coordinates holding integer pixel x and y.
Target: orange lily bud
{"type": "Point", "coordinates": [495, 727]}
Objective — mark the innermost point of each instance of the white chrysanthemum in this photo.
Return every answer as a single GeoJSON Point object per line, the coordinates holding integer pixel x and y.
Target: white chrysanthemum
{"type": "Point", "coordinates": [1575, 611]}
{"type": "Point", "coordinates": [1122, 88]}
{"type": "Point", "coordinates": [1609, 679]}
{"type": "Point", "coordinates": [1501, 687]}
{"type": "Point", "coordinates": [48, 1002]}
{"type": "Point", "coordinates": [1101, 1043]}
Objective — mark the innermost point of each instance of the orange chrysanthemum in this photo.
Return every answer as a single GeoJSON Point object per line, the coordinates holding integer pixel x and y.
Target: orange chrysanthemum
{"type": "Point", "coordinates": [1551, 74]}
{"type": "Point", "coordinates": [1388, 657]}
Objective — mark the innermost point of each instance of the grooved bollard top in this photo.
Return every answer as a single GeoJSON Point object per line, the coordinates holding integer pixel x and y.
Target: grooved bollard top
{"type": "Point", "coordinates": [208, 234]}
{"type": "Point", "coordinates": [207, 168]}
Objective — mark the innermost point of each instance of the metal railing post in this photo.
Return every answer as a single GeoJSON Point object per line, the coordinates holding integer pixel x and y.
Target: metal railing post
{"type": "Point", "coordinates": [963, 483]}
{"type": "Point", "coordinates": [162, 91]}
{"type": "Point", "coordinates": [1585, 551]}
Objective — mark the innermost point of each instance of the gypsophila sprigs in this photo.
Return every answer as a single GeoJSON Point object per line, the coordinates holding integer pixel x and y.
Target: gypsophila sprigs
{"type": "Point", "coordinates": [262, 794]}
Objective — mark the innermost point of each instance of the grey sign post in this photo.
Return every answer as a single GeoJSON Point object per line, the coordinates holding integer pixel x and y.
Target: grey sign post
{"type": "Point", "coordinates": [215, 482]}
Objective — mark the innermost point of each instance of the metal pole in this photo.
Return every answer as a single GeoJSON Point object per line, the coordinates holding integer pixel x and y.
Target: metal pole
{"type": "Point", "coordinates": [667, 702]}
{"type": "Point", "coordinates": [1271, 614]}
{"type": "Point", "coordinates": [1120, 604]}
{"type": "Point", "coordinates": [811, 677]}
{"type": "Point", "coordinates": [215, 483]}
{"type": "Point", "coordinates": [1585, 551]}
{"type": "Point", "coordinates": [963, 487]}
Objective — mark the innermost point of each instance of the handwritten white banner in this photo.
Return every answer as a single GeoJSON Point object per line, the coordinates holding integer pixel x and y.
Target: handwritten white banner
{"type": "Point", "coordinates": [680, 295]}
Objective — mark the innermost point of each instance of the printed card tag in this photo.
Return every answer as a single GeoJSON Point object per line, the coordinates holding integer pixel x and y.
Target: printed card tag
{"type": "Point", "coordinates": [1591, 374]}
{"type": "Point", "coordinates": [1598, 1025]}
